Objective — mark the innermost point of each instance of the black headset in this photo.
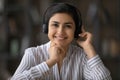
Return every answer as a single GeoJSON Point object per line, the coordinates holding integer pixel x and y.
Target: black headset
{"type": "Point", "coordinates": [78, 15]}
{"type": "Point", "coordinates": [45, 28]}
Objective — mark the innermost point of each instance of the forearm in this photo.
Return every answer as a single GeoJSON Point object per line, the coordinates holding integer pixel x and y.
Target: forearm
{"type": "Point", "coordinates": [96, 69]}
{"type": "Point", "coordinates": [33, 73]}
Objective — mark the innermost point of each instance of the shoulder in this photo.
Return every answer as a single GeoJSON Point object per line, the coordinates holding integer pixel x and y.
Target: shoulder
{"type": "Point", "coordinates": [38, 50]}
{"type": "Point", "coordinates": [37, 54]}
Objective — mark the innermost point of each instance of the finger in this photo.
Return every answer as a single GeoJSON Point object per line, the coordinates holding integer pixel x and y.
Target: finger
{"type": "Point", "coordinates": [83, 29]}
{"type": "Point", "coordinates": [82, 34]}
{"type": "Point", "coordinates": [60, 47]}
{"type": "Point", "coordinates": [52, 44]}
{"type": "Point", "coordinates": [58, 51]}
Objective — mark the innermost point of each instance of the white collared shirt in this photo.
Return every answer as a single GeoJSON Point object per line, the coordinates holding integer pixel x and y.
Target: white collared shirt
{"type": "Point", "coordinates": [75, 66]}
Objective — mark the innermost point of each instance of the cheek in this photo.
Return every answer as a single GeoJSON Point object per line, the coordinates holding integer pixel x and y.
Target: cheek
{"type": "Point", "coordinates": [51, 33]}
{"type": "Point", "coordinates": [49, 36]}
{"type": "Point", "coordinates": [71, 33]}
{"type": "Point", "coordinates": [70, 36]}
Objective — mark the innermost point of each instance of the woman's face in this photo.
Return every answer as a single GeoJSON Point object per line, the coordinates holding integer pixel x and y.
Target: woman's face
{"type": "Point", "coordinates": [61, 29]}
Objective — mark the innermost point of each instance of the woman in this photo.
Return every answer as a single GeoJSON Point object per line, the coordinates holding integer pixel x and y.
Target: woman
{"type": "Point", "coordinates": [59, 59]}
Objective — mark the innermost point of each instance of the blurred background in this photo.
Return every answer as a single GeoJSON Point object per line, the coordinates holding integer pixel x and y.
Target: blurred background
{"type": "Point", "coordinates": [20, 28]}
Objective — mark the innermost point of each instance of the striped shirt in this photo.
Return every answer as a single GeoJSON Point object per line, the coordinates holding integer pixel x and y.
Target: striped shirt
{"type": "Point", "coordinates": [75, 66]}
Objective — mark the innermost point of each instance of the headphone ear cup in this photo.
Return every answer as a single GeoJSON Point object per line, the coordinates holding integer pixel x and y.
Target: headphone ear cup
{"type": "Point", "coordinates": [45, 29]}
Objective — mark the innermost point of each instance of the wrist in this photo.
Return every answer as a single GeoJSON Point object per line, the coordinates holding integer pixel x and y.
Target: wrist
{"type": "Point", "coordinates": [90, 51]}
{"type": "Point", "coordinates": [88, 47]}
{"type": "Point", "coordinates": [51, 62]}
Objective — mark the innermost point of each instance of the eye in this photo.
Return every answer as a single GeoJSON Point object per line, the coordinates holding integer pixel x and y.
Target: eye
{"type": "Point", "coordinates": [68, 26]}
{"type": "Point", "coordinates": [55, 25]}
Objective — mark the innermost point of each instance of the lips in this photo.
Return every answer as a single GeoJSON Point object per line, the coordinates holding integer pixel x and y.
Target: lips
{"type": "Point", "coordinates": [60, 37]}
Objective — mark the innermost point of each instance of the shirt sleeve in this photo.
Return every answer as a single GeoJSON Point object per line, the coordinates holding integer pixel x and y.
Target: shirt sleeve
{"type": "Point", "coordinates": [27, 69]}
{"type": "Point", "coordinates": [94, 69]}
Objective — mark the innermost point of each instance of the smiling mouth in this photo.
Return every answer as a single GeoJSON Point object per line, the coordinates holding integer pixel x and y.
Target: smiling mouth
{"type": "Point", "coordinates": [60, 38]}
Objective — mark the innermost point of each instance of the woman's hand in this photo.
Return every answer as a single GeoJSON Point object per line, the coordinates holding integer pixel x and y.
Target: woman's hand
{"type": "Point", "coordinates": [85, 41]}
{"type": "Point", "coordinates": [55, 54]}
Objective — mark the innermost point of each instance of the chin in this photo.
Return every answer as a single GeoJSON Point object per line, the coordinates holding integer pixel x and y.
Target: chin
{"type": "Point", "coordinates": [62, 43]}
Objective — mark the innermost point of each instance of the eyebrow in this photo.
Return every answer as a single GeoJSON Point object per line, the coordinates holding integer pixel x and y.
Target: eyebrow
{"type": "Point", "coordinates": [64, 23]}
{"type": "Point", "coordinates": [55, 22]}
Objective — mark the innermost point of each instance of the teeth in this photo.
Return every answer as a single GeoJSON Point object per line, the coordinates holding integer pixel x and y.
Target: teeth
{"type": "Point", "coordinates": [60, 37]}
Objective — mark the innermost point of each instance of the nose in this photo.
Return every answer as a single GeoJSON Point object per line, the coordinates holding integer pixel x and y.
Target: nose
{"type": "Point", "coordinates": [61, 29]}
